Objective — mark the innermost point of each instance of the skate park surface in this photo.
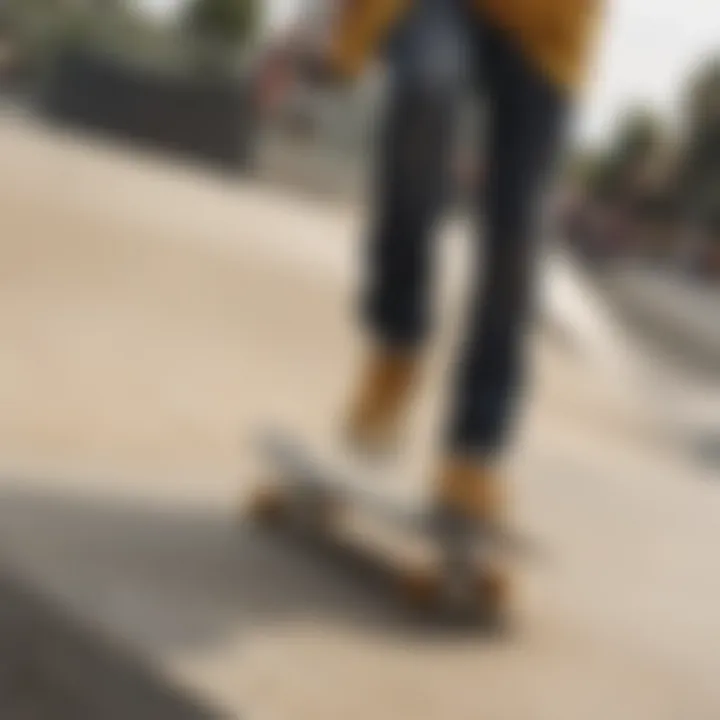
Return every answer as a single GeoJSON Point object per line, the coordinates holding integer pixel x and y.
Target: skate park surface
{"type": "Point", "coordinates": [154, 315]}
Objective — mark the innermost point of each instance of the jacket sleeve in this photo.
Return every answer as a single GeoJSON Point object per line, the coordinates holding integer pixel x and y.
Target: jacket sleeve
{"type": "Point", "coordinates": [358, 29]}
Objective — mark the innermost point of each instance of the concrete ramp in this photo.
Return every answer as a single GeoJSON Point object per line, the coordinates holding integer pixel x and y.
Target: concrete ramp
{"type": "Point", "coordinates": [152, 317]}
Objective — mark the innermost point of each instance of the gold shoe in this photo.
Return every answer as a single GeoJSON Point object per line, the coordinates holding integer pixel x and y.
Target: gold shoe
{"type": "Point", "coordinates": [379, 409]}
{"type": "Point", "coordinates": [471, 494]}
{"type": "Point", "coordinates": [471, 489]}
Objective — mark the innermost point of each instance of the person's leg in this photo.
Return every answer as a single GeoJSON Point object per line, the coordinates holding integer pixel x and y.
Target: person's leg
{"type": "Point", "coordinates": [411, 185]}
{"type": "Point", "coordinates": [415, 147]}
{"type": "Point", "coordinates": [526, 117]}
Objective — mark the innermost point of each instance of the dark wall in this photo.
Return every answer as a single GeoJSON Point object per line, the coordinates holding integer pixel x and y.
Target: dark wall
{"type": "Point", "coordinates": [208, 119]}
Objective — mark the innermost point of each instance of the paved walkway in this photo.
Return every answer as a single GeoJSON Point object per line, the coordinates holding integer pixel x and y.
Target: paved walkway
{"type": "Point", "coordinates": [151, 317]}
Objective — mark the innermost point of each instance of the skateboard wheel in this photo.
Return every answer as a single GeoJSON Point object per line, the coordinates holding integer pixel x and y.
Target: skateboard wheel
{"type": "Point", "coordinates": [420, 588]}
{"type": "Point", "coordinates": [484, 607]}
{"type": "Point", "coordinates": [268, 505]}
{"type": "Point", "coordinates": [493, 600]}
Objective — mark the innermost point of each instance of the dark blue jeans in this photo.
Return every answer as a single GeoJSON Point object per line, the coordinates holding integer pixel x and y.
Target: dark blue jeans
{"type": "Point", "coordinates": [522, 128]}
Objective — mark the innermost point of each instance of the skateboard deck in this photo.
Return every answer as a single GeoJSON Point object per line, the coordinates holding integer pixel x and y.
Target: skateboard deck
{"type": "Point", "coordinates": [310, 499]}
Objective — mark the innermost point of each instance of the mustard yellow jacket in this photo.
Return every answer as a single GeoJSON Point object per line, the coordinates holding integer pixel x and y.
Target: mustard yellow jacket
{"type": "Point", "coordinates": [555, 34]}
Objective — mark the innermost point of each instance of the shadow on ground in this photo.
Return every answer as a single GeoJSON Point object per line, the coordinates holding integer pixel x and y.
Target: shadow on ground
{"type": "Point", "coordinates": [51, 669]}
{"type": "Point", "coordinates": [179, 581]}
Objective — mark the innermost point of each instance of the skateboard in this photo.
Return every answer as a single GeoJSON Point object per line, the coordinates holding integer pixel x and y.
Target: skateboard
{"type": "Point", "coordinates": [311, 500]}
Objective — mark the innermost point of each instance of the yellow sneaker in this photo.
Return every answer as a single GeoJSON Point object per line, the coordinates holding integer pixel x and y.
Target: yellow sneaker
{"type": "Point", "coordinates": [472, 496]}
{"type": "Point", "coordinates": [472, 490]}
{"type": "Point", "coordinates": [379, 409]}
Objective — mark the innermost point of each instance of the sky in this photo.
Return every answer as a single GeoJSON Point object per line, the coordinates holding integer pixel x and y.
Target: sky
{"type": "Point", "coordinates": [647, 48]}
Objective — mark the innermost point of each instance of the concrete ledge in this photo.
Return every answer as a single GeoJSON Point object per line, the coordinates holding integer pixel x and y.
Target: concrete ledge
{"type": "Point", "coordinates": [51, 668]}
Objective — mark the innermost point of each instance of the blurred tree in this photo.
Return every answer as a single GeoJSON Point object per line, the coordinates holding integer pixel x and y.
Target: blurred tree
{"type": "Point", "coordinates": [220, 31]}
{"type": "Point", "coordinates": [703, 96]}
{"type": "Point", "coordinates": [639, 136]}
{"type": "Point", "coordinates": [31, 25]}
{"type": "Point", "coordinates": [590, 170]}
{"type": "Point", "coordinates": [224, 21]}
{"type": "Point", "coordinates": [700, 174]}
